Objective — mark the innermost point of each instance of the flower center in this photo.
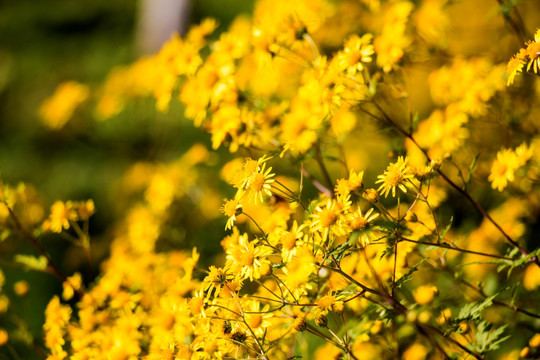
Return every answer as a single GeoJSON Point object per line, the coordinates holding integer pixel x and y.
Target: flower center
{"type": "Point", "coordinates": [327, 217]}
{"type": "Point", "coordinates": [288, 240]}
{"type": "Point", "coordinates": [248, 258]}
{"type": "Point", "coordinates": [257, 182]}
{"type": "Point", "coordinates": [359, 223]}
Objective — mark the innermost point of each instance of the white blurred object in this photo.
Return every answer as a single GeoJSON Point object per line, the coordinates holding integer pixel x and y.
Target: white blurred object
{"type": "Point", "coordinates": [158, 20]}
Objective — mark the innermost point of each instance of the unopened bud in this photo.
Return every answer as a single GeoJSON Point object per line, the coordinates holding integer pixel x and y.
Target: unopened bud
{"type": "Point", "coordinates": [371, 195]}
{"type": "Point", "coordinates": [321, 321]}
{"type": "Point", "coordinates": [265, 269]}
{"type": "Point", "coordinates": [338, 306]}
{"type": "Point", "coordinates": [299, 323]}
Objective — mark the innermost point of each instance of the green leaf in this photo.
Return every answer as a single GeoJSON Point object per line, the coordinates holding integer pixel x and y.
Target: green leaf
{"type": "Point", "coordinates": [32, 262]}
{"type": "Point", "coordinates": [474, 310]}
{"type": "Point", "coordinates": [407, 276]}
{"type": "Point", "coordinates": [472, 168]}
{"type": "Point", "coordinates": [349, 290]}
{"type": "Point", "coordinates": [446, 229]}
{"type": "Point", "coordinates": [488, 339]}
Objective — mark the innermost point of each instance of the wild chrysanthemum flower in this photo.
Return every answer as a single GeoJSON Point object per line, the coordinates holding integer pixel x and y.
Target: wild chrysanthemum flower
{"type": "Point", "coordinates": [214, 280]}
{"type": "Point", "coordinates": [515, 65]}
{"type": "Point", "coordinates": [326, 303]}
{"type": "Point", "coordinates": [299, 269]}
{"type": "Point", "coordinates": [503, 169]}
{"type": "Point", "coordinates": [354, 182]}
{"type": "Point", "coordinates": [425, 294]}
{"type": "Point", "coordinates": [61, 214]}
{"type": "Point", "coordinates": [246, 257]}
{"type": "Point", "coordinates": [361, 223]}
{"type": "Point", "coordinates": [357, 52]}
{"type": "Point", "coordinates": [231, 208]}
{"type": "Point", "coordinates": [328, 220]}
{"type": "Point", "coordinates": [533, 52]}
{"type": "Point", "coordinates": [259, 183]}
{"type": "Point", "coordinates": [524, 153]}
{"type": "Point", "coordinates": [58, 109]}
{"type": "Point", "coordinates": [507, 163]}
{"type": "Point", "coordinates": [242, 176]}
{"type": "Point", "coordinates": [395, 176]}
{"type": "Point", "coordinates": [290, 240]}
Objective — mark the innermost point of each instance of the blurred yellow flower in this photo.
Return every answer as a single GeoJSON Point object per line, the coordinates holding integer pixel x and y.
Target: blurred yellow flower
{"type": "Point", "coordinates": [425, 294]}
{"type": "Point", "coordinates": [57, 110]}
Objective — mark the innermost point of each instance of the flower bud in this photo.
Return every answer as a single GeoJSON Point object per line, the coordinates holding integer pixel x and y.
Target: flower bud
{"type": "Point", "coordinates": [338, 306]}
{"type": "Point", "coordinates": [265, 269]}
{"type": "Point", "coordinates": [321, 321]}
{"type": "Point", "coordinates": [299, 323]}
{"type": "Point", "coordinates": [371, 195]}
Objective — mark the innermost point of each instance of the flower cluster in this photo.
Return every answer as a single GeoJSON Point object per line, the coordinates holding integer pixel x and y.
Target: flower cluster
{"type": "Point", "coordinates": [350, 101]}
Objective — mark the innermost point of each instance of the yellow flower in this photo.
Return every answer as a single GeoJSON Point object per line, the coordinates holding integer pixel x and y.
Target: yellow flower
{"type": "Point", "coordinates": [85, 209]}
{"type": "Point", "coordinates": [355, 182]}
{"type": "Point", "coordinates": [58, 109]}
{"type": "Point", "coordinates": [61, 214]}
{"type": "Point", "coordinates": [290, 240]}
{"type": "Point", "coordinates": [21, 288]}
{"type": "Point", "coordinates": [503, 169]}
{"type": "Point", "coordinates": [535, 341]}
{"type": "Point", "coordinates": [231, 208]}
{"type": "Point", "coordinates": [531, 278]}
{"type": "Point", "coordinates": [3, 337]}
{"type": "Point", "coordinates": [325, 303]}
{"type": "Point", "coordinates": [214, 280]}
{"type": "Point", "coordinates": [395, 176]}
{"type": "Point", "coordinates": [260, 183]}
{"type": "Point", "coordinates": [416, 351]}
{"type": "Point", "coordinates": [361, 222]}
{"type": "Point", "coordinates": [533, 52]}
{"type": "Point", "coordinates": [515, 65]}
{"type": "Point", "coordinates": [328, 219]}
{"type": "Point", "coordinates": [358, 50]}
{"type": "Point", "coordinates": [425, 294]}
{"type": "Point", "coordinates": [72, 284]}
{"type": "Point", "coordinates": [246, 257]}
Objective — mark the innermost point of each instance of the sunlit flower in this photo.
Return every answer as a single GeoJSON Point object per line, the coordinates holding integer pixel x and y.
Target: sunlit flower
{"type": "Point", "coordinates": [503, 169]}
{"type": "Point", "coordinates": [515, 66]}
{"type": "Point", "coordinates": [259, 183]}
{"type": "Point", "coordinates": [290, 240]}
{"type": "Point", "coordinates": [356, 53]}
{"type": "Point", "coordinates": [327, 219]}
{"type": "Point", "coordinates": [61, 214]}
{"type": "Point", "coordinates": [231, 208]}
{"type": "Point", "coordinates": [395, 176]}
{"type": "Point", "coordinates": [361, 223]}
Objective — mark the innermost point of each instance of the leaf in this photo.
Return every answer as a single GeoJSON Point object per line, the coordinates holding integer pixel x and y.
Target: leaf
{"type": "Point", "coordinates": [349, 290]}
{"type": "Point", "coordinates": [488, 339]}
{"type": "Point", "coordinates": [474, 310]}
{"type": "Point", "coordinates": [407, 276]}
{"type": "Point", "coordinates": [446, 229]}
{"type": "Point", "coordinates": [472, 168]}
{"type": "Point", "coordinates": [32, 262]}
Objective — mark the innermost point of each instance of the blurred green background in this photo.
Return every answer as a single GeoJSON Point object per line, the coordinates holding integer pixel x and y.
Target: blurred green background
{"type": "Point", "coordinates": [46, 42]}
